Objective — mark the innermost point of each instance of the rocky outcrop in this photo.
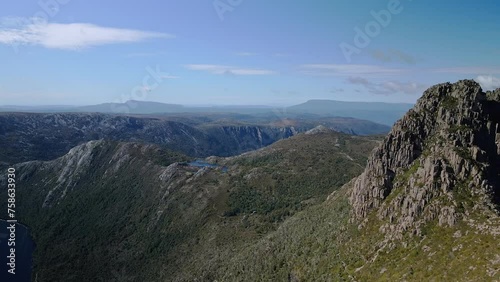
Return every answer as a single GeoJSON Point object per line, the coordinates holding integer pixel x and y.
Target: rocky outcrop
{"type": "Point", "coordinates": [70, 168]}
{"type": "Point", "coordinates": [318, 130]}
{"type": "Point", "coordinates": [439, 162]}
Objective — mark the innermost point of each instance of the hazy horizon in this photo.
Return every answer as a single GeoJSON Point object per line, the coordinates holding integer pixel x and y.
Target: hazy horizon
{"type": "Point", "coordinates": [198, 105]}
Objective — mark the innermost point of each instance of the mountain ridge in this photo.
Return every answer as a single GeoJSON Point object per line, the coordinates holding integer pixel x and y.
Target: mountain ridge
{"type": "Point", "coordinates": [35, 136]}
{"type": "Point", "coordinates": [424, 207]}
{"type": "Point", "coordinates": [380, 112]}
{"type": "Point", "coordinates": [142, 208]}
{"type": "Point", "coordinates": [462, 120]}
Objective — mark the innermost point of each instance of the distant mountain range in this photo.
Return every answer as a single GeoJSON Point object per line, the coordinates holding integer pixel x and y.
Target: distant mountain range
{"type": "Point", "coordinates": [383, 113]}
{"type": "Point", "coordinates": [132, 107]}
{"type": "Point", "coordinates": [45, 136]}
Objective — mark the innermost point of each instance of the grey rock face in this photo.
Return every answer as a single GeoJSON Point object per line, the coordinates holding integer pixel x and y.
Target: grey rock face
{"type": "Point", "coordinates": [440, 161]}
{"type": "Point", "coordinates": [27, 137]}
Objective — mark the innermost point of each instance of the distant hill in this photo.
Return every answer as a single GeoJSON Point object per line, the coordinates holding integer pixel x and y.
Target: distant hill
{"type": "Point", "coordinates": [145, 107]}
{"type": "Point", "coordinates": [131, 107]}
{"type": "Point", "coordinates": [36, 109]}
{"type": "Point", "coordinates": [384, 113]}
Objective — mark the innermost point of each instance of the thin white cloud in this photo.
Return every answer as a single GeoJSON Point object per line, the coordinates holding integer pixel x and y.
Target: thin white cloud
{"type": "Point", "coordinates": [469, 70]}
{"type": "Point", "coordinates": [231, 70]}
{"type": "Point", "coordinates": [338, 70]}
{"type": "Point", "coordinates": [370, 70]}
{"type": "Point", "coordinates": [72, 36]}
{"type": "Point", "coordinates": [488, 82]}
{"type": "Point", "coordinates": [387, 87]}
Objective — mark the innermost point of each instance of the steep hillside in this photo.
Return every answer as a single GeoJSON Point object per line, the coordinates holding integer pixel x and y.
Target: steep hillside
{"type": "Point", "coordinates": [111, 211]}
{"type": "Point", "coordinates": [26, 137]}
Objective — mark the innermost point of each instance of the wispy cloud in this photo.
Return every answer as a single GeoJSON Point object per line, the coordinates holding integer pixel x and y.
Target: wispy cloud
{"type": "Point", "coordinates": [387, 87]}
{"type": "Point", "coordinates": [231, 70]}
{"type": "Point", "coordinates": [393, 55]}
{"type": "Point", "coordinates": [72, 36]}
{"type": "Point", "coordinates": [488, 82]}
{"type": "Point", "coordinates": [474, 70]}
{"type": "Point", "coordinates": [339, 70]}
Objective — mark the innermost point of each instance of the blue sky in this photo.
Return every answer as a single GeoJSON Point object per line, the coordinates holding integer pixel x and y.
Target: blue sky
{"type": "Point", "coordinates": [268, 52]}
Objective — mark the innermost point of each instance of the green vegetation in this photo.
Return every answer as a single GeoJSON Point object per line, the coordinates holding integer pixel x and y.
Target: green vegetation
{"type": "Point", "coordinates": [459, 128]}
{"type": "Point", "coordinates": [464, 153]}
{"type": "Point", "coordinates": [449, 103]}
{"type": "Point", "coordinates": [319, 244]}
{"type": "Point", "coordinates": [165, 157]}
{"type": "Point", "coordinates": [291, 175]}
{"type": "Point", "coordinates": [444, 254]}
{"type": "Point", "coordinates": [463, 196]}
{"type": "Point", "coordinates": [138, 224]}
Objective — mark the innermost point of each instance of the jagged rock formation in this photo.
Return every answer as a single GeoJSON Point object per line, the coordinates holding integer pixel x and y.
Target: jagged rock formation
{"type": "Point", "coordinates": [440, 162]}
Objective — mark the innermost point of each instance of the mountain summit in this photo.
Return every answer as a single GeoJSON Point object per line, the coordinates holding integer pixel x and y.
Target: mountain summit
{"type": "Point", "coordinates": [440, 161]}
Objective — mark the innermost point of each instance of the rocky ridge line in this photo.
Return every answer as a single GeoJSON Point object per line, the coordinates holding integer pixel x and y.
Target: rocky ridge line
{"type": "Point", "coordinates": [441, 162]}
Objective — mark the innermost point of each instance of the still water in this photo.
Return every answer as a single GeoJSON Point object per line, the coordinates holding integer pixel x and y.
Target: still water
{"type": "Point", "coordinates": [23, 253]}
